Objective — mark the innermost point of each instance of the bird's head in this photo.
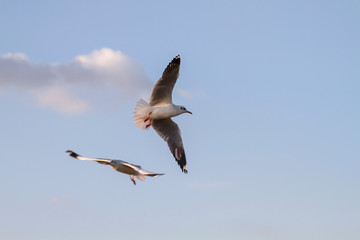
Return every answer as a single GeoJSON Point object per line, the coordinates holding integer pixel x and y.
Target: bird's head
{"type": "Point", "coordinates": [184, 110]}
{"type": "Point", "coordinates": [111, 163]}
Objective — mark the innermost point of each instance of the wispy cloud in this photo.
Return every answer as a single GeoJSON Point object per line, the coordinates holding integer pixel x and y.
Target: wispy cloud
{"type": "Point", "coordinates": [61, 100]}
{"type": "Point", "coordinates": [71, 87]}
{"type": "Point", "coordinates": [191, 94]}
{"type": "Point", "coordinates": [185, 93]}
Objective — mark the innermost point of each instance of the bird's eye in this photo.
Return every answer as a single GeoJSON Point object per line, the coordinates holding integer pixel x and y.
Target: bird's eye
{"type": "Point", "coordinates": [182, 108]}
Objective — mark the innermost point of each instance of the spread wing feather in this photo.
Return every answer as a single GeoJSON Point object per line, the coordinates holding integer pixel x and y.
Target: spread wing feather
{"type": "Point", "coordinates": [170, 132]}
{"type": "Point", "coordinates": [98, 160]}
{"type": "Point", "coordinates": [162, 91]}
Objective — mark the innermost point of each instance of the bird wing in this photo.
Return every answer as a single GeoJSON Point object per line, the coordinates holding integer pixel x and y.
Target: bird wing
{"type": "Point", "coordinates": [162, 91]}
{"type": "Point", "coordinates": [132, 166]}
{"type": "Point", "coordinates": [141, 171]}
{"type": "Point", "coordinates": [77, 156]}
{"type": "Point", "coordinates": [153, 174]}
{"type": "Point", "coordinates": [129, 168]}
{"type": "Point", "coordinates": [170, 132]}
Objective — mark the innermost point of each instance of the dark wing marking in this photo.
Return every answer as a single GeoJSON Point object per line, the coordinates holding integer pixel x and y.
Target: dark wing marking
{"type": "Point", "coordinates": [162, 91]}
{"type": "Point", "coordinates": [98, 160]}
{"type": "Point", "coordinates": [170, 132]}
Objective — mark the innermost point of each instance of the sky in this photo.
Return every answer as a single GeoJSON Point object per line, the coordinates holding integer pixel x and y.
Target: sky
{"type": "Point", "coordinates": [272, 145]}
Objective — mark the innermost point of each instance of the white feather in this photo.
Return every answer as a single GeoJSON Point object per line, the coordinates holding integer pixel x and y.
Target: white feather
{"type": "Point", "coordinates": [141, 112]}
{"type": "Point", "coordinates": [140, 177]}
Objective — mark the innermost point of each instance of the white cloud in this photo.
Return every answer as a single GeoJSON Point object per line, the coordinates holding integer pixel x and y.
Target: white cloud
{"type": "Point", "coordinates": [74, 87]}
{"type": "Point", "coordinates": [15, 56]}
{"type": "Point", "coordinates": [187, 94]}
{"type": "Point", "coordinates": [61, 100]}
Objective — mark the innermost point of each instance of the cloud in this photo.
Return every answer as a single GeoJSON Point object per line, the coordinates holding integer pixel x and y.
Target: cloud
{"type": "Point", "coordinates": [61, 100]}
{"type": "Point", "coordinates": [75, 87]}
{"type": "Point", "coordinates": [185, 93]}
{"type": "Point", "coordinates": [54, 200]}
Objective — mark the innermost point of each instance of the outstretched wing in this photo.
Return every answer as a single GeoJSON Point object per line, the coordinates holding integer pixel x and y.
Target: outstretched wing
{"type": "Point", "coordinates": [170, 132]}
{"type": "Point", "coordinates": [77, 156]}
{"type": "Point", "coordinates": [137, 171]}
{"type": "Point", "coordinates": [162, 91]}
{"type": "Point", "coordinates": [129, 168]}
{"type": "Point", "coordinates": [132, 166]}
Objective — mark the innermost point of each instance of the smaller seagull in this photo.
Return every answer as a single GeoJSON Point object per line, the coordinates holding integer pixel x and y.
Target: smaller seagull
{"type": "Point", "coordinates": [134, 171]}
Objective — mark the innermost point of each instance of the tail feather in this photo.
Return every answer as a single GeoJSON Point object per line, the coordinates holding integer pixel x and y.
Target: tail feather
{"type": "Point", "coordinates": [141, 112]}
{"type": "Point", "coordinates": [149, 174]}
{"type": "Point", "coordinates": [154, 174]}
{"type": "Point", "coordinates": [140, 177]}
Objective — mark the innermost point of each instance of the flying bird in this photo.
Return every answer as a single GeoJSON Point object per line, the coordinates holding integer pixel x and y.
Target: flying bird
{"type": "Point", "coordinates": [134, 171]}
{"type": "Point", "coordinates": [159, 111]}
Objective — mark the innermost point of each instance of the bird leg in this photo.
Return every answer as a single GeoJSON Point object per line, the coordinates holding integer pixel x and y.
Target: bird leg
{"type": "Point", "coordinates": [148, 118]}
{"type": "Point", "coordinates": [132, 179]}
{"type": "Point", "coordinates": [147, 126]}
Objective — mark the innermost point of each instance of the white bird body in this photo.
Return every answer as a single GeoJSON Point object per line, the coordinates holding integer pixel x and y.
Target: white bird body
{"type": "Point", "coordinates": [119, 165]}
{"type": "Point", "coordinates": [164, 111]}
{"type": "Point", "coordinates": [159, 111]}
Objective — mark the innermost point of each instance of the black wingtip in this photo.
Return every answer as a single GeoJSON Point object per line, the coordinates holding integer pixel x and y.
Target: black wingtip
{"type": "Point", "coordinates": [72, 154]}
{"type": "Point", "coordinates": [176, 60]}
{"type": "Point", "coordinates": [182, 163]}
{"type": "Point", "coordinates": [173, 64]}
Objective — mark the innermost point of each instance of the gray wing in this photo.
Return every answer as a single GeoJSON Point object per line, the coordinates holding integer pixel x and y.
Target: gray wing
{"type": "Point", "coordinates": [162, 91]}
{"type": "Point", "coordinates": [137, 170]}
{"type": "Point", "coordinates": [133, 166]}
{"type": "Point", "coordinates": [170, 132]}
{"type": "Point", "coordinates": [130, 169]}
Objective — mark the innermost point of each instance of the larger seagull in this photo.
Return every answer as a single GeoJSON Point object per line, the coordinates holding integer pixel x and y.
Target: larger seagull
{"type": "Point", "coordinates": [158, 112]}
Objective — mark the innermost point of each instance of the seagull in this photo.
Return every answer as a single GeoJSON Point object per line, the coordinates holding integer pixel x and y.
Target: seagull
{"type": "Point", "coordinates": [134, 171]}
{"type": "Point", "coordinates": [158, 112]}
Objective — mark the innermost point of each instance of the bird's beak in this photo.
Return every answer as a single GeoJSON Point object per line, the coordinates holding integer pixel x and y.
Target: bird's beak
{"type": "Point", "coordinates": [189, 112]}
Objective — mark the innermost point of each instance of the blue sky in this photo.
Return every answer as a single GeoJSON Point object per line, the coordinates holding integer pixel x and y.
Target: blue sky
{"type": "Point", "coordinates": [272, 146]}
